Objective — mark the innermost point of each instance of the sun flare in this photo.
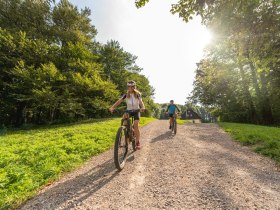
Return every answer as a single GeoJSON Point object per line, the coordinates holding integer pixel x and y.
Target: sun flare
{"type": "Point", "coordinates": [206, 37]}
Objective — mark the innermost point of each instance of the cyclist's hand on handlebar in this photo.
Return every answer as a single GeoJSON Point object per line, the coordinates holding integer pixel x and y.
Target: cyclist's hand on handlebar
{"type": "Point", "coordinates": [111, 109]}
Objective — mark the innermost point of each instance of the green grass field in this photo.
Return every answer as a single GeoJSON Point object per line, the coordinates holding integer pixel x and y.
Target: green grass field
{"type": "Point", "coordinates": [29, 159]}
{"type": "Point", "coordinates": [263, 139]}
{"type": "Point", "coordinates": [181, 122]}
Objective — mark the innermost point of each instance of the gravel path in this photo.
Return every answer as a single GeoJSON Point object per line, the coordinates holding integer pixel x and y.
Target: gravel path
{"type": "Point", "coordinates": [199, 168]}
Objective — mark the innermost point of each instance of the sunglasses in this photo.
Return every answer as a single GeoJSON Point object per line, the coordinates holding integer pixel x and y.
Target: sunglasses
{"type": "Point", "coordinates": [132, 86]}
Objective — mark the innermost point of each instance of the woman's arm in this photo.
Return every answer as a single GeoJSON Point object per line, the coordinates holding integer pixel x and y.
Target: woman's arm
{"type": "Point", "coordinates": [141, 104]}
{"type": "Point", "coordinates": [112, 108]}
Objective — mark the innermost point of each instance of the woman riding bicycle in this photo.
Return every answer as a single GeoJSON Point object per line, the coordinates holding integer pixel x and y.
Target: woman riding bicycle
{"type": "Point", "coordinates": [134, 102]}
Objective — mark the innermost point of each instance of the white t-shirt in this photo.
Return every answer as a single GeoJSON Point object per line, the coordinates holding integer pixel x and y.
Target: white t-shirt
{"type": "Point", "coordinates": [132, 102]}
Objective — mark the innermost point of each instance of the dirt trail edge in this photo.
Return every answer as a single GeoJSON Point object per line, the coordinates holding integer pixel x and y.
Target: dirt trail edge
{"type": "Point", "coordinates": [199, 168]}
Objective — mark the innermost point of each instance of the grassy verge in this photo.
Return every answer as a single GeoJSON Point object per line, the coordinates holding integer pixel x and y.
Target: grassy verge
{"type": "Point", "coordinates": [181, 122]}
{"type": "Point", "coordinates": [29, 159]}
{"type": "Point", "coordinates": [263, 139]}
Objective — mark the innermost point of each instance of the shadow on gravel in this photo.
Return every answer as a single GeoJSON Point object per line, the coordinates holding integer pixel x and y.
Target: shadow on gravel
{"type": "Point", "coordinates": [231, 157]}
{"type": "Point", "coordinates": [78, 189]}
{"type": "Point", "coordinates": [261, 175]}
{"type": "Point", "coordinates": [130, 156]}
{"type": "Point", "coordinates": [231, 167]}
{"type": "Point", "coordinates": [229, 172]}
{"type": "Point", "coordinates": [165, 136]}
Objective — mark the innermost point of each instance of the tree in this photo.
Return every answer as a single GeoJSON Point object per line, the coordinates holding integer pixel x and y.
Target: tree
{"type": "Point", "coordinates": [117, 63]}
{"type": "Point", "coordinates": [70, 25]}
{"type": "Point", "coordinates": [52, 70]}
{"type": "Point", "coordinates": [30, 16]}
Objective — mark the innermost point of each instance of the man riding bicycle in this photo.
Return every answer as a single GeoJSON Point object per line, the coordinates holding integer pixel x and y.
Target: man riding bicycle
{"type": "Point", "coordinates": [171, 111]}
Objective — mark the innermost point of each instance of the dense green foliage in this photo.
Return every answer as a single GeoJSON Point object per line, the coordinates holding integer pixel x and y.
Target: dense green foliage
{"type": "Point", "coordinates": [265, 140]}
{"type": "Point", "coordinates": [52, 70]}
{"type": "Point", "coordinates": [31, 158]}
{"type": "Point", "coordinates": [239, 77]}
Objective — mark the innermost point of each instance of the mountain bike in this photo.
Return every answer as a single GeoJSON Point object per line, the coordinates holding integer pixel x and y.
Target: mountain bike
{"type": "Point", "coordinates": [125, 136]}
{"type": "Point", "coordinates": [174, 123]}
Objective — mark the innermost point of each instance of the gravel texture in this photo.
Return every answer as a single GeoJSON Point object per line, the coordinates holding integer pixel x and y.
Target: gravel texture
{"type": "Point", "coordinates": [198, 168]}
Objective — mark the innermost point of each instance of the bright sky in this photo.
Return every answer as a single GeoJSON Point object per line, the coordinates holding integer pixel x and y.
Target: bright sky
{"type": "Point", "coordinates": [167, 48]}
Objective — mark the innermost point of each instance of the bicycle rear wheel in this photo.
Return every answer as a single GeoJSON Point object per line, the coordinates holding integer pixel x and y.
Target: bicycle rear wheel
{"type": "Point", "coordinates": [120, 148]}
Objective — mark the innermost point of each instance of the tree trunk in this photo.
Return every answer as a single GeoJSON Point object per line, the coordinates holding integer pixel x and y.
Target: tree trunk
{"type": "Point", "coordinates": [267, 116]}
{"type": "Point", "coordinates": [247, 96]}
{"type": "Point", "coordinates": [256, 87]}
{"type": "Point", "coordinates": [19, 118]}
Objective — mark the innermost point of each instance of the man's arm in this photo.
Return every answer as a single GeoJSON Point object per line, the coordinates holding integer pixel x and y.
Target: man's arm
{"type": "Point", "coordinates": [167, 108]}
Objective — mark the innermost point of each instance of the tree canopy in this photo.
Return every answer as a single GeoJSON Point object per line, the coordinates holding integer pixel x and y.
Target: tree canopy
{"type": "Point", "coordinates": [52, 69]}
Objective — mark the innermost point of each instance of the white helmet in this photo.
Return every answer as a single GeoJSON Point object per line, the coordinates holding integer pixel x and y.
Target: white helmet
{"type": "Point", "coordinates": [131, 83]}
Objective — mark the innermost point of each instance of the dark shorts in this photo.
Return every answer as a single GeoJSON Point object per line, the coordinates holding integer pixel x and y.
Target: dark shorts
{"type": "Point", "coordinates": [136, 115]}
{"type": "Point", "coordinates": [171, 115]}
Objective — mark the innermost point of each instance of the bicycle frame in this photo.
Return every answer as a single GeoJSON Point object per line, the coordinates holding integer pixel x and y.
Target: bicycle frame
{"type": "Point", "coordinates": [128, 122]}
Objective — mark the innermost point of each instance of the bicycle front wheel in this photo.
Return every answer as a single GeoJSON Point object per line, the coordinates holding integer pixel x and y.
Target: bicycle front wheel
{"type": "Point", "coordinates": [175, 127]}
{"type": "Point", "coordinates": [120, 148]}
{"type": "Point", "coordinates": [133, 141]}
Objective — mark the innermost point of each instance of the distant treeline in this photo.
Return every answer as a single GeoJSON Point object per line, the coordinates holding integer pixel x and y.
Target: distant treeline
{"type": "Point", "coordinates": [53, 70]}
{"type": "Point", "coordinates": [239, 77]}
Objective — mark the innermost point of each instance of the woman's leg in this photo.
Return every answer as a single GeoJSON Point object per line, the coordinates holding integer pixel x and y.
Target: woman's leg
{"type": "Point", "coordinates": [137, 131]}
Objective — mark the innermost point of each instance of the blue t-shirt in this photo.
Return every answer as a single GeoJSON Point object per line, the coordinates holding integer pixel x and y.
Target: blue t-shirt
{"type": "Point", "coordinates": [172, 108]}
